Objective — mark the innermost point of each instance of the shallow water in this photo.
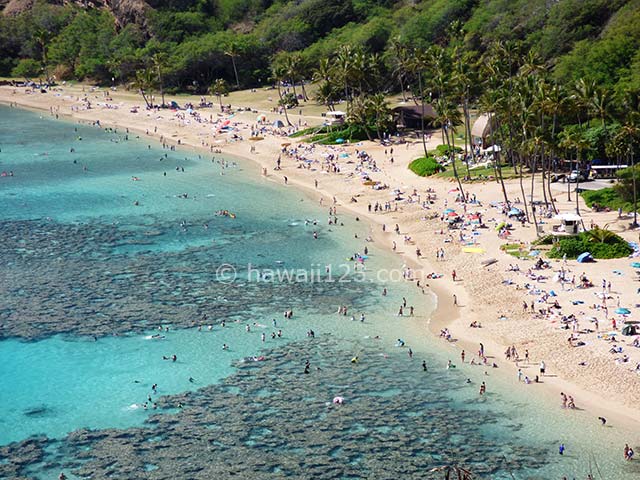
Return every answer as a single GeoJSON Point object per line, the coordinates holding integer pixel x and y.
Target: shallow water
{"type": "Point", "coordinates": [80, 260]}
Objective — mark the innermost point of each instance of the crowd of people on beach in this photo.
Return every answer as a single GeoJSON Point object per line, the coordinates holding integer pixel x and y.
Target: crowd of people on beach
{"type": "Point", "coordinates": [540, 302]}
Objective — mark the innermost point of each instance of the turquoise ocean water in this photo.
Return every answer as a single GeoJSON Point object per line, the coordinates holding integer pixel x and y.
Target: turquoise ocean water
{"type": "Point", "coordinates": [107, 242]}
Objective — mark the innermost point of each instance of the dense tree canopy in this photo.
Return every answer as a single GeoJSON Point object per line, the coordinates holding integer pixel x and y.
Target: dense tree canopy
{"type": "Point", "coordinates": [236, 40]}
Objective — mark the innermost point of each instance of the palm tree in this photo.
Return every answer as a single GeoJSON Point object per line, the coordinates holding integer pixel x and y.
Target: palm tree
{"type": "Point", "coordinates": [359, 114]}
{"type": "Point", "coordinates": [400, 60]}
{"type": "Point", "coordinates": [568, 141]}
{"type": "Point", "coordinates": [42, 37]}
{"type": "Point", "coordinates": [278, 74]}
{"type": "Point", "coordinates": [233, 50]}
{"type": "Point", "coordinates": [343, 68]}
{"type": "Point", "coordinates": [583, 91]}
{"type": "Point", "coordinates": [159, 61]}
{"type": "Point", "coordinates": [378, 108]}
{"type": "Point", "coordinates": [492, 102]}
{"type": "Point", "coordinates": [555, 103]}
{"type": "Point", "coordinates": [601, 103]}
{"type": "Point", "coordinates": [292, 64]}
{"type": "Point", "coordinates": [582, 145]}
{"type": "Point", "coordinates": [328, 89]}
{"type": "Point", "coordinates": [600, 235]}
{"type": "Point", "coordinates": [498, 99]}
{"type": "Point", "coordinates": [144, 82]}
{"type": "Point", "coordinates": [417, 67]}
{"type": "Point", "coordinates": [448, 117]}
{"type": "Point", "coordinates": [219, 88]}
{"type": "Point", "coordinates": [324, 71]}
{"type": "Point", "coordinates": [462, 80]}
{"type": "Point", "coordinates": [629, 138]}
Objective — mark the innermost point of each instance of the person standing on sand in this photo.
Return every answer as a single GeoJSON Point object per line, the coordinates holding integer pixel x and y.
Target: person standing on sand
{"type": "Point", "coordinates": [455, 299]}
{"type": "Point", "coordinates": [453, 275]}
{"type": "Point", "coordinates": [542, 368]}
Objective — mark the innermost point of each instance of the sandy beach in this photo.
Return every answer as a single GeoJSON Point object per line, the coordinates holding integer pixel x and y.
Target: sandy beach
{"type": "Point", "coordinates": [602, 382]}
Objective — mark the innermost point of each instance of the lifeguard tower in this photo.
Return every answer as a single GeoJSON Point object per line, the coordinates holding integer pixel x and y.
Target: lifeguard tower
{"type": "Point", "coordinates": [569, 224]}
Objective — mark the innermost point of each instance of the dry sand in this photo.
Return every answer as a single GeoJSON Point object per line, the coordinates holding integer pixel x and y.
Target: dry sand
{"type": "Point", "coordinates": [601, 385]}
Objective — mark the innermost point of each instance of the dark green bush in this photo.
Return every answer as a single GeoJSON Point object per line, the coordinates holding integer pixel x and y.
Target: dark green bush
{"type": "Point", "coordinates": [609, 246]}
{"type": "Point", "coordinates": [351, 133]}
{"type": "Point", "coordinates": [425, 167]}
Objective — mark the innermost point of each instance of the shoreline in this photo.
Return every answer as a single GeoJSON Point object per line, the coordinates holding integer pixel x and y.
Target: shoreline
{"type": "Point", "coordinates": [445, 313]}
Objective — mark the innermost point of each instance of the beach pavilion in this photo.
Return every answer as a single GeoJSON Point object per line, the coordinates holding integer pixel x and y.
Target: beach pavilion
{"type": "Point", "coordinates": [410, 116]}
{"type": "Point", "coordinates": [481, 130]}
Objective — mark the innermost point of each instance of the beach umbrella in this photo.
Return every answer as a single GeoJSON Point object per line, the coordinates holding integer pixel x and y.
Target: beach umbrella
{"type": "Point", "coordinates": [261, 118]}
{"type": "Point", "coordinates": [452, 214]}
{"type": "Point", "coordinates": [339, 140]}
{"type": "Point", "coordinates": [585, 257]}
{"type": "Point", "coordinates": [514, 211]}
{"type": "Point", "coordinates": [256, 139]}
{"type": "Point", "coordinates": [285, 144]}
{"type": "Point", "coordinates": [278, 124]}
{"type": "Point", "coordinates": [635, 264]}
{"type": "Point", "coordinates": [623, 311]}
{"type": "Point", "coordinates": [449, 210]}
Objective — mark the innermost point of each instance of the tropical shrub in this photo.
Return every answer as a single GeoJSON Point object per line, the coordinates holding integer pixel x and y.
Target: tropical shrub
{"type": "Point", "coordinates": [599, 242]}
{"type": "Point", "coordinates": [425, 167]}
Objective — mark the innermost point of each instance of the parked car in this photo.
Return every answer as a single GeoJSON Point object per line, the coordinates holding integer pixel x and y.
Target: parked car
{"type": "Point", "coordinates": [576, 176]}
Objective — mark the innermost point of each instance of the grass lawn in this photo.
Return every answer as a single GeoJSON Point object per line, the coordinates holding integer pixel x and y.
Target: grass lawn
{"type": "Point", "coordinates": [477, 173]}
{"type": "Point", "coordinates": [606, 197]}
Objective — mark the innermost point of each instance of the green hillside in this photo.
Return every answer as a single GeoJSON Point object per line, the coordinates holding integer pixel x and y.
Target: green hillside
{"type": "Point", "coordinates": [198, 41]}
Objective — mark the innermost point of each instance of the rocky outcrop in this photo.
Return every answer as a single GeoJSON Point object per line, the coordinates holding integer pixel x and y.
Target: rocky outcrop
{"type": "Point", "coordinates": [129, 11]}
{"type": "Point", "coordinates": [124, 11]}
